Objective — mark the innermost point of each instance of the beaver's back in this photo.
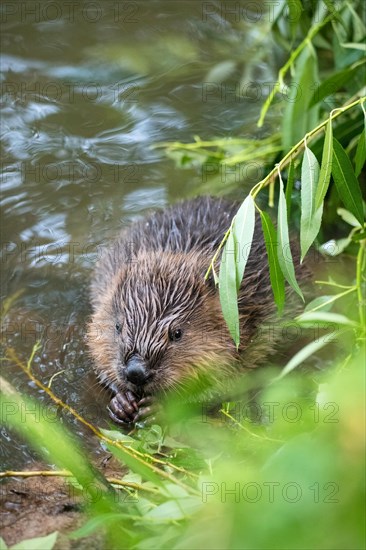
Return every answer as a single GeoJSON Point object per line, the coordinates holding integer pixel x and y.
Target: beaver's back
{"type": "Point", "coordinates": [194, 224]}
{"type": "Point", "coordinates": [191, 225]}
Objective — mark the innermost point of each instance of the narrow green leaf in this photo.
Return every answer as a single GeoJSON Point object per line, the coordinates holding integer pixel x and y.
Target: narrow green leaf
{"type": "Point", "coordinates": [243, 231]}
{"type": "Point", "coordinates": [295, 8]}
{"type": "Point", "coordinates": [346, 182]}
{"type": "Point", "coordinates": [326, 166]}
{"type": "Point", "coordinates": [335, 14]}
{"type": "Point", "coordinates": [131, 477]}
{"type": "Point", "coordinates": [284, 250]}
{"type": "Point", "coordinates": [347, 217]}
{"type": "Point", "coordinates": [172, 490]}
{"type": "Point", "coordinates": [310, 218]}
{"type": "Point", "coordinates": [39, 543]}
{"type": "Point", "coordinates": [360, 156]}
{"type": "Point", "coordinates": [354, 46]}
{"type": "Point", "coordinates": [228, 289]}
{"type": "Point", "coordinates": [333, 84]}
{"type": "Point", "coordinates": [275, 273]}
{"type": "Point", "coordinates": [298, 117]}
{"type": "Point", "coordinates": [138, 466]}
{"type": "Point", "coordinates": [173, 510]}
{"type": "Point", "coordinates": [321, 303]}
{"type": "Point", "coordinates": [289, 187]}
{"type": "Point", "coordinates": [304, 353]}
{"type": "Point", "coordinates": [119, 436]}
{"type": "Point", "coordinates": [97, 522]}
{"type": "Point", "coordinates": [325, 317]}
{"type": "Point", "coordinates": [358, 24]}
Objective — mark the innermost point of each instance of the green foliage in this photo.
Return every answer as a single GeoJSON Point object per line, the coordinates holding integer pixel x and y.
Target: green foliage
{"type": "Point", "coordinates": [243, 231]}
{"type": "Point", "coordinates": [302, 123]}
{"type": "Point", "coordinates": [233, 264]}
{"type": "Point", "coordinates": [311, 92]}
{"type": "Point", "coordinates": [290, 186]}
{"type": "Point", "coordinates": [346, 182]}
{"type": "Point", "coordinates": [360, 156]}
{"type": "Point", "coordinates": [275, 272]}
{"type": "Point", "coordinates": [299, 117]}
{"type": "Point", "coordinates": [228, 288]}
{"type": "Point", "coordinates": [326, 167]}
{"type": "Point", "coordinates": [39, 543]}
{"type": "Point", "coordinates": [310, 215]}
{"type": "Point", "coordinates": [283, 469]}
{"type": "Point", "coordinates": [292, 460]}
{"type": "Point", "coordinates": [284, 249]}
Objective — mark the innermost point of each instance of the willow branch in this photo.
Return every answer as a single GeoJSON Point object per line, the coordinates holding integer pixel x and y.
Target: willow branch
{"type": "Point", "coordinates": [282, 72]}
{"type": "Point", "coordinates": [140, 457]}
{"type": "Point", "coordinates": [300, 146]}
{"type": "Point", "coordinates": [66, 473]}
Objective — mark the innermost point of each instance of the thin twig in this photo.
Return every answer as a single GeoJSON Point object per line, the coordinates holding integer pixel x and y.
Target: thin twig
{"type": "Point", "coordinates": [66, 473]}
{"type": "Point", "coordinates": [140, 457]}
{"type": "Point", "coordinates": [298, 148]}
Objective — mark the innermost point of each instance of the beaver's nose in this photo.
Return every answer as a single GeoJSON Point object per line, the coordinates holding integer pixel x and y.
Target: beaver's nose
{"type": "Point", "coordinates": [136, 371]}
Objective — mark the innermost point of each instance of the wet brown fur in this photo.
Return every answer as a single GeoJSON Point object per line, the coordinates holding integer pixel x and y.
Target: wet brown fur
{"type": "Point", "coordinates": [151, 281]}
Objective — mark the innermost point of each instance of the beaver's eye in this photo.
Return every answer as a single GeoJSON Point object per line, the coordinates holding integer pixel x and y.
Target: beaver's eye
{"type": "Point", "coordinates": [175, 334]}
{"type": "Point", "coordinates": [118, 328]}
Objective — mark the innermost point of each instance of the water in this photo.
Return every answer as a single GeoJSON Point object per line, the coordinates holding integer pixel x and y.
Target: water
{"type": "Point", "coordinates": [87, 89]}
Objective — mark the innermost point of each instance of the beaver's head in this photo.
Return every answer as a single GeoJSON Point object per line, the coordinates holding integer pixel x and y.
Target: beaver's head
{"type": "Point", "coordinates": [160, 326]}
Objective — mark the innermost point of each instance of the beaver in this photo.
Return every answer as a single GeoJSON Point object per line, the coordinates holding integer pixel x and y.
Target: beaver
{"type": "Point", "coordinates": [157, 322]}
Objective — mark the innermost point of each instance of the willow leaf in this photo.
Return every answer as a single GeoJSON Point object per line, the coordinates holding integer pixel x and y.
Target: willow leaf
{"type": "Point", "coordinates": [347, 217]}
{"type": "Point", "coordinates": [290, 186]}
{"type": "Point", "coordinates": [243, 230]}
{"type": "Point", "coordinates": [346, 182]}
{"type": "Point", "coordinates": [360, 156]}
{"type": "Point", "coordinates": [326, 166]}
{"type": "Point", "coordinates": [334, 83]}
{"type": "Point", "coordinates": [322, 303]}
{"type": "Point", "coordinates": [295, 9]}
{"type": "Point", "coordinates": [284, 250]}
{"type": "Point", "coordinates": [38, 543]}
{"type": "Point", "coordinates": [228, 289]}
{"type": "Point", "coordinates": [298, 117]}
{"type": "Point", "coordinates": [275, 273]}
{"type": "Point", "coordinates": [326, 318]}
{"type": "Point", "coordinates": [304, 353]}
{"type": "Point", "coordinates": [310, 218]}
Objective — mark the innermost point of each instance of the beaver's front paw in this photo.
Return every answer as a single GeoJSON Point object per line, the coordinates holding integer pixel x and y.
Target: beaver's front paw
{"type": "Point", "coordinates": [148, 409]}
{"type": "Point", "coordinates": [123, 408]}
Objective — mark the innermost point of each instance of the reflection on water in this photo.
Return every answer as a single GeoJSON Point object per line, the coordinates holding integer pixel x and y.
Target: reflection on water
{"type": "Point", "coordinates": [87, 88]}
